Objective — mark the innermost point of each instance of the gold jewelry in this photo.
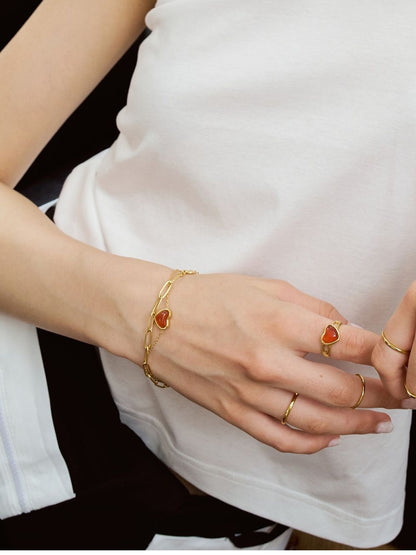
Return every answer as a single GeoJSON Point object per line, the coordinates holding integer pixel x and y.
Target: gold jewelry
{"type": "Point", "coordinates": [329, 336]}
{"type": "Point", "coordinates": [161, 317]}
{"type": "Point", "coordinates": [289, 408]}
{"type": "Point", "coordinates": [412, 395]}
{"type": "Point", "coordinates": [358, 403]}
{"type": "Point", "coordinates": [393, 346]}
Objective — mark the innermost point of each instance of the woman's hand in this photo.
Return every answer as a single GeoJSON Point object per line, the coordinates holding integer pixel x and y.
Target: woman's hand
{"type": "Point", "coordinates": [398, 369]}
{"type": "Point", "coordinates": [236, 345]}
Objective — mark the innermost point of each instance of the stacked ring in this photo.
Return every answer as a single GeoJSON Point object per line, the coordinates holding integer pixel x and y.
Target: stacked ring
{"type": "Point", "coordinates": [289, 408]}
{"type": "Point", "coordinates": [361, 397]}
{"type": "Point", "coordinates": [411, 395]}
{"type": "Point", "coordinates": [393, 346]}
{"type": "Point", "coordinates": [401, 351]}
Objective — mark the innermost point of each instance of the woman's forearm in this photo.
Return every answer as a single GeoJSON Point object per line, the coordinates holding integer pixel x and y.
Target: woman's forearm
{"type": "Point", "coordinates": [58, 283]}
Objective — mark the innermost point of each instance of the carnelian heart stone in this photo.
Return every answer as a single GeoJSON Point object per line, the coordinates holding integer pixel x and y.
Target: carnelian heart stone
{"type": "Point", "coordinates": [162, 319]}
{"type": "Point", "coordinates": [331, 335]}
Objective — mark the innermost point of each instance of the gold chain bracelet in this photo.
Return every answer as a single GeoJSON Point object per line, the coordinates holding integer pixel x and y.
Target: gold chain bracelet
{"type": "Point", "coordinates": [161, 317]}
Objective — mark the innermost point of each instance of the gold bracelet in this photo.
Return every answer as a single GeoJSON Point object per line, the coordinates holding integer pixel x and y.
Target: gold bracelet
{"type": "Point", "coordinates": [161, 317]}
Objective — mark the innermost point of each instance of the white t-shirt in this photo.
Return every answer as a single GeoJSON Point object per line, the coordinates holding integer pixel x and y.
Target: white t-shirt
{"type": "Point", "coordinates": [274, 138]}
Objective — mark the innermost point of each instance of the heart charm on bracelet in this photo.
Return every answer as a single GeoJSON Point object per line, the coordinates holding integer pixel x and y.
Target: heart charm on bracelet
{"type": "Point", "coordinates": [162, 318]}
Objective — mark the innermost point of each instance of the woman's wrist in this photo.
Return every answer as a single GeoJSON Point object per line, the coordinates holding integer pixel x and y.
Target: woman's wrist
{"type": "Point", "coordinates": [58, 283]}
{"type": "Point", "coordinates": [129, 290]}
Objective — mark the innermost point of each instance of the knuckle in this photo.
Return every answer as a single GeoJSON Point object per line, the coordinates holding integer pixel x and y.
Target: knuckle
{"type": "Point", "coordinates": [317, 425]}
{"type": "Point", "coordinates": [282, 284]}
{"type": "Point", "coordinates": [364, 422]}
{"type": "Point", "coordinates": [229, 410]}
{"type": "Point", "coordinates": [328, 310]}
{"type": "Point", "coordinates": [242, 392]}
{"type": "Point", "coordinates": [294, 445]}
{"type": "Point", "coordinates": [275, 438]}
{"type": "Point", "coordinates": [256, 366]}
{"type": "Point", "coordinates": [281, 288]}
{"type": "Point", "coordinates": [391, 376]}
{"type": "Point", "coordinates": [283, 445]}
{"type": "Point", "coordinates": [341, 396]}
{"type": "Point", "coordinates": [378, 360]}
{"type": "Point", "coordinates": [249, 361]}
{"type": "Point", "coordinates": [377, 356]}
{"type": "Point", "coordinates": [356, 343]}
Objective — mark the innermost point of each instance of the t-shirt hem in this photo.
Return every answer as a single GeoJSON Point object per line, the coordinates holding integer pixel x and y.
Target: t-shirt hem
{"type": "Point", "coordinates": [294, 509]}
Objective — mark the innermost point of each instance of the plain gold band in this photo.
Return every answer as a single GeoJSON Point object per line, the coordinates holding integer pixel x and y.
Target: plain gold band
{"type": "Point", "coordinates": [393, 346]}
{"type": "Point", "coordinates": [358, 403]}
{"type": "Point", "coordinates": [412, 395]}
{"type": "Point", "coordinates": [289, 408]}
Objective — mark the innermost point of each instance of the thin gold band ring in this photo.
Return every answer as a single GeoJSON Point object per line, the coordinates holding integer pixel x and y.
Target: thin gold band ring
{"type": "Point", "coordinates": [358, 403]}
{"type": "Point", "coordinates": [412, 395]}
{"type": "Point", "coordinates": [393, 346]}
{"type": "Point", "coordinates": [289, 408]}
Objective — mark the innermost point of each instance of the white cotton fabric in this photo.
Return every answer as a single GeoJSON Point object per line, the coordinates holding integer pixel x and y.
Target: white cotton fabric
{"type": "Point", "coordinates": [275, 138]}
{"type": "Point", "coordinates": [33, 473]}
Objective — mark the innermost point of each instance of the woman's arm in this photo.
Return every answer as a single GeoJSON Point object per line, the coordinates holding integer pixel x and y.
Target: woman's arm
{"type": "Point", "coordinates": [49, 279]}
{"type": "Point", "coordinates": [64, 49]}
{"type": "Point", "coordinates": [56, 59]}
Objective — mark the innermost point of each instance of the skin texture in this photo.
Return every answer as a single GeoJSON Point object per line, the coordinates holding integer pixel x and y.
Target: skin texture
{"type": "Point", "coordinates": [246, 369]}
{"type": "Point", "coordinates": [49, 67]}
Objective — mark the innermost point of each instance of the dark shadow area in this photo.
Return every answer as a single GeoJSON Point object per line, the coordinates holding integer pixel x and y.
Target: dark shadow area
{"type": "Point", "coordinates": [406, 539]}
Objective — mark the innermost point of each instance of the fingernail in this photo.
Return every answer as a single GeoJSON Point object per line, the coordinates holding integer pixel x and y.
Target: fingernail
{"type": "Point", "coordinates": [409, 404]}
{"type": "Point", "coordinates": [334, 442]}
{"type": "Point", "coordinates": [384, 427]}
{"type": "Point", "coordinates": [356, 325]}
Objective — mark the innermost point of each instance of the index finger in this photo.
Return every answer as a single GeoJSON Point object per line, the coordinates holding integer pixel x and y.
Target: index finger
{"type": "Point", "coordinates": [391, 353]}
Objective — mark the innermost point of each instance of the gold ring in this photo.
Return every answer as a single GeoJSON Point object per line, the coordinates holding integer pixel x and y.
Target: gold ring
{"type": "Point", "coordinates": [358, 403]}
{"type": "Point", "coordinates": [393, 346]}
{"type": "Point", "coordinates": [289, 408]}
{"type": "Point", "coordinates": [412, 395]}
{"type": "Point", "coordinates": [329, 336]}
